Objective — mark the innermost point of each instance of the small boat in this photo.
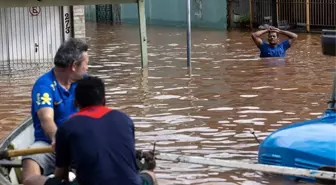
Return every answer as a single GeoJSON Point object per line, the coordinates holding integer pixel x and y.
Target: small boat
{"type": "Point", "coordinates": [21, 138]}
{"type": "Point", "coordinates": [307, 144]}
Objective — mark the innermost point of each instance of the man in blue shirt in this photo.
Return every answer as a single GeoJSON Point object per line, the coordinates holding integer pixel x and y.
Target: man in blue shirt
{"type": "Point", "coordinates": [273, 48]}
{"type": "Point", "coordinates": [99, 141]}
{"type": "Point", "coordinates": [53, 103]}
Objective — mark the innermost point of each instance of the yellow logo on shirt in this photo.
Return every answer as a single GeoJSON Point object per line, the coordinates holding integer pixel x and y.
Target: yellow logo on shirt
{"type": "Point", "coordinates": [45, 99]}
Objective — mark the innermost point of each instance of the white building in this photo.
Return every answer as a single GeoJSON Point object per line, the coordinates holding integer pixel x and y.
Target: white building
{"type": "Point", "coordinates": [30, 33]}
{"type": "Point", "coordinates": [34, 33]}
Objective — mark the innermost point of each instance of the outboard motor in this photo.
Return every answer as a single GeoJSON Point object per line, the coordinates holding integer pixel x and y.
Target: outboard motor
{"type": "Point", "coordinates": [328, 42]}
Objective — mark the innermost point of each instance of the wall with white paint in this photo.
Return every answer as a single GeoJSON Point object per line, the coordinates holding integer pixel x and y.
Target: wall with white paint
{"type": "Point", "coordinates": [32, 34]}
{"type": "Point", "coordinates": [79, 21]}
{"type": "Point", "coordinates": [3, 36]}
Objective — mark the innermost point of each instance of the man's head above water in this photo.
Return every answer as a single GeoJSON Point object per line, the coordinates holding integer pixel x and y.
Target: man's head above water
{"type": "Point", "coordinates": [274, 48]}
{"type": "Point", "coordinates": [273, 36]}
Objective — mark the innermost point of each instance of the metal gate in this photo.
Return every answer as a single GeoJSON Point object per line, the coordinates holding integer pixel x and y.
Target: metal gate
{"type": "Point", "coordinates": [30, 35]}
{"type": "Point", "coordinates": [103, 13]}
{"type": "Point", "coordinates": [315, 14]}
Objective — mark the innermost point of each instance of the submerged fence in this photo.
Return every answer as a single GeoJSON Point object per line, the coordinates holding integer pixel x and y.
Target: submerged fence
{"type": "Point", "coordinates": [295, 13]}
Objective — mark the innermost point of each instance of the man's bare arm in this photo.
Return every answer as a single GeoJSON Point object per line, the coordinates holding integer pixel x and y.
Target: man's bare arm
{"type": "Point", "coordinates": [46, 116]}
{"type": "Point", "coordinates": [292, 36]}
{"type": "Point", "coordinates": [256, 37]}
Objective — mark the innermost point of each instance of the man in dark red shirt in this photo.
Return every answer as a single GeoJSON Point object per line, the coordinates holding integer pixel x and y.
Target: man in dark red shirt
{"type": "Point", "coordinates": [99, 142]}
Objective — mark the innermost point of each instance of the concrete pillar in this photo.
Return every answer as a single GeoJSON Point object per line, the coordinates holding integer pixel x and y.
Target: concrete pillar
{"type": "Point", "coordinates": [79, 21]}
{"type": "Point", "coordinates": [143, 33]}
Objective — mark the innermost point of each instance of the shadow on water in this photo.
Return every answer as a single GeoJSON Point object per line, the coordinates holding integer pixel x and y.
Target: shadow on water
{"type": "Point", "coordinates": [208, 113]}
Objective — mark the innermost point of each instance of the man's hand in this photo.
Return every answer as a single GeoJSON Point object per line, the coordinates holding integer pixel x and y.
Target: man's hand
{"type": "Point", "coordinates": [272, 28]}
{"type": "Point", "coordinates": [53, 143]}
{"type": "Point", "coordinates": [291, 36]}
{"type": "Point", "coordinates": [149, 160]}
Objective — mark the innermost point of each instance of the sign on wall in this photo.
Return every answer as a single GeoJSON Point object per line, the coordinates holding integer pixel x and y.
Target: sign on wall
{"type": "Point", "coordinates": [67, 22]}
{"type": "Point", "coordinates": [34, 11]}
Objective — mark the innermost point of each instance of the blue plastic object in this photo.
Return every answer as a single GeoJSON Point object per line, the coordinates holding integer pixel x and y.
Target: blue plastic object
{"type": "Point", "coordinates": [308, 144]}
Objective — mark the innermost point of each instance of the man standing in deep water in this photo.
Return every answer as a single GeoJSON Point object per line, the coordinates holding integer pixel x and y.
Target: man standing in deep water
{"type": "Point", "coordinates": [273, 48]}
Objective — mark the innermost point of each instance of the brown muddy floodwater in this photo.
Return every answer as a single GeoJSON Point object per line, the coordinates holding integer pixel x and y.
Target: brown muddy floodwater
{"type": "Point", "coordinates": [209, 113]}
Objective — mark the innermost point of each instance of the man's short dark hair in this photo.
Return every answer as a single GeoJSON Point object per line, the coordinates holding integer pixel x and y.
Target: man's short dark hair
{"type": "Point", "coordinates": [90, 91]}
{"type": "Point", "coordinates": [70, 51]}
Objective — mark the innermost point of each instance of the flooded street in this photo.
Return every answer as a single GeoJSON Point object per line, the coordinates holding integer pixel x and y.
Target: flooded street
{"type": "Point", "coordinates": [209, 113]}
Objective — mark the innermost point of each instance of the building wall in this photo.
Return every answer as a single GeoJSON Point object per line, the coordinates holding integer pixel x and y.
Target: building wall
{"type": "Point", "coordinates": [90, 13]}
{"type": "Point", "coordinates": [34, 35]}
{"type": "Point", "coordinates": [204, 13]}
{"type": "Point", "coordinates": [30, 34]}
{"type": "Point", "coordinates": [236, 10]}
{"type": "Point", "coordinates": [241, 7]}
{"type": "Point", "coordinates": [103, 13]}
{"type": "Point", "coordinates": [79, 21]}
{"type": "Point", "coordinates": [30, 37]}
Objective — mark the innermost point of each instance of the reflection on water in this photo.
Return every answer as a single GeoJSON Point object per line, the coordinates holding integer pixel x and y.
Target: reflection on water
{"type": "Point", "coordinates": [209, 113]}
